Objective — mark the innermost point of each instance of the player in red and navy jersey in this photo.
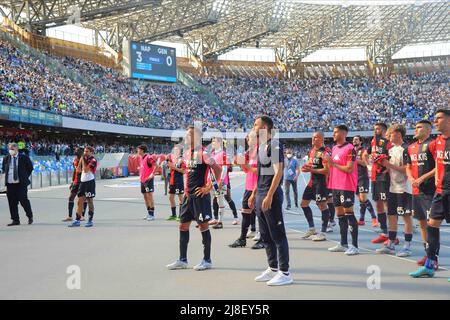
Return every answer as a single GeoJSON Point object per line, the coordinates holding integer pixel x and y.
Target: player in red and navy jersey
{"type": "Point", "coordinates": [197, 200]}
{"type": "Point", "coordinates": [362, 190]}
{"type": "Point", "coordinates": [86, 191]}
{"type": "Point", "coordinates": [75, 185]}
{"type": "Point", "coordinates": [440, 206]}
{"type": "Point", "coordinates": [379, 149]}
{"type": "Point", "coordinates": [317, 187]}
{"type": "Point", "coordinates": [420, 170]}
{"type": "Point", "coordinates": [177, 169]}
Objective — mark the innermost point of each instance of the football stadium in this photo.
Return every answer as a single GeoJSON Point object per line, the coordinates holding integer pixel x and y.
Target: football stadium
{"type": "Point", "coordinates": [226, 150]}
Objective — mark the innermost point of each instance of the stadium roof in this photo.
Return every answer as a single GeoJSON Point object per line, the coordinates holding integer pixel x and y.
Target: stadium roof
{"type": "Point", "coordinates": [213, 27]}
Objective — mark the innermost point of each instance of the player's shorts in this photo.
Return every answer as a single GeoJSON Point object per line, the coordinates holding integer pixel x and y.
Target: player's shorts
{"type": "Point", "coordinates": [363, 185]}
{"type": "Point", "coordinates": [148, 186]}
{"type": "Point", "coordinates": [440, 207]}
{"type": "Point", "coordinates": [87, 189]}
{"type": "Point", "coordinates": [399, 204]}
{"type": "Point", "coordinates": [317, 192]}
{"type": "Point", "coordinates": [421, 206]}
{"type": "Point", "coordinates": [176, 189]}
{"type": "Point", "coordinates": [247, 195]}
{"type": "Point", "coordinates": [343, 198]}
{"type": "Point", "coordinates": [196, 208]}
{"type": "Point", "coordinates": [380, 190]}
{"type": "Point", "coordinates": [74, 188]}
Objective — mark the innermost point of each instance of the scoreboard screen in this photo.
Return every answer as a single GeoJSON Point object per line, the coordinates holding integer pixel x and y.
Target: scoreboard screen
{"type": "Point", "coordinates": [152, 62]}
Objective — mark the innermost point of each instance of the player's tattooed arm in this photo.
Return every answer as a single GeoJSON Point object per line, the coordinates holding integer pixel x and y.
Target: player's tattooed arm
{"type": "Point", "coordinates": [364, 159]}
{"type": "Point", "coordinates": [348, 168]}
{"type": "Point", "coordinates": [217, 169]}
{"type": "Point", "coordinates": [423, 178]}
{"type": "Point", "coordinates": [409, 173]}
{"type": "Point", "coordinates": [325, 170]}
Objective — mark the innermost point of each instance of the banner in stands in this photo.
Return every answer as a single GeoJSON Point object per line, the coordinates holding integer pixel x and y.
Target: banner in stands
{"type": "Point", "coordinates": [14, 113]}
{"type": "Point", "coordinates": [11, 132]}
{"type": "Point", "coordinates": [134, 162]}
{"type": "Point", "coordinates": [134, 165]}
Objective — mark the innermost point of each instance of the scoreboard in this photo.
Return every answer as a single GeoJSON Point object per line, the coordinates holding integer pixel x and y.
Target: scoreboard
{"type": "Point", "coordinates": [152, 62]}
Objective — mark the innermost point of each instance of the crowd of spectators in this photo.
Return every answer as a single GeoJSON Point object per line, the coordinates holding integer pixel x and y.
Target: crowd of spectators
{"type": "Point", "coordinates": [320, 104]}
{"type": "Point", "coordinates": [296, 105]}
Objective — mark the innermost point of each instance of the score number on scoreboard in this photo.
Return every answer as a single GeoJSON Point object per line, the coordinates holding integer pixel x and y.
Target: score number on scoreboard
{"type": "Point", "coordinates": [152, 62]}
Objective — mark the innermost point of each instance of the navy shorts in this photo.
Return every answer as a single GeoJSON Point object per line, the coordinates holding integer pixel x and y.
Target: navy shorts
{"type": "Point", "coordinates": [399, 204]}
{"type": "Point", "coordinates": [380, 190]}
{"type": "Point", "coordinates": [421, 206]}
{"type": "Point", "coordinates": [343, 198]}
{"type": "Point", "coordinates": [317, 192]}
{"type": "Point", "coordinates": [363, 186]}
{"type": "Point", "coordinates": [148, 186]}
{"type": "Point", "coordinates": [87, 189]}
{"type": "Point", "coordinates": [176, 189]}
{"type": "Point", "coordinates": [440, 207]}
{"type": "Point", "coordinates": [196, 208]}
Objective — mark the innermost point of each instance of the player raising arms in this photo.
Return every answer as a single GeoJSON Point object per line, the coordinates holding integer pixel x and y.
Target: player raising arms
{"type": "Point", "coordinates": [75, 185]}
{"type": "Point", "coordinates": [86, 191]}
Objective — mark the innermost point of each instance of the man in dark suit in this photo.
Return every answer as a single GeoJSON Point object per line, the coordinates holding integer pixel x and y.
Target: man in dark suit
{"type": "Point", "coordinates": [17, 168]}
